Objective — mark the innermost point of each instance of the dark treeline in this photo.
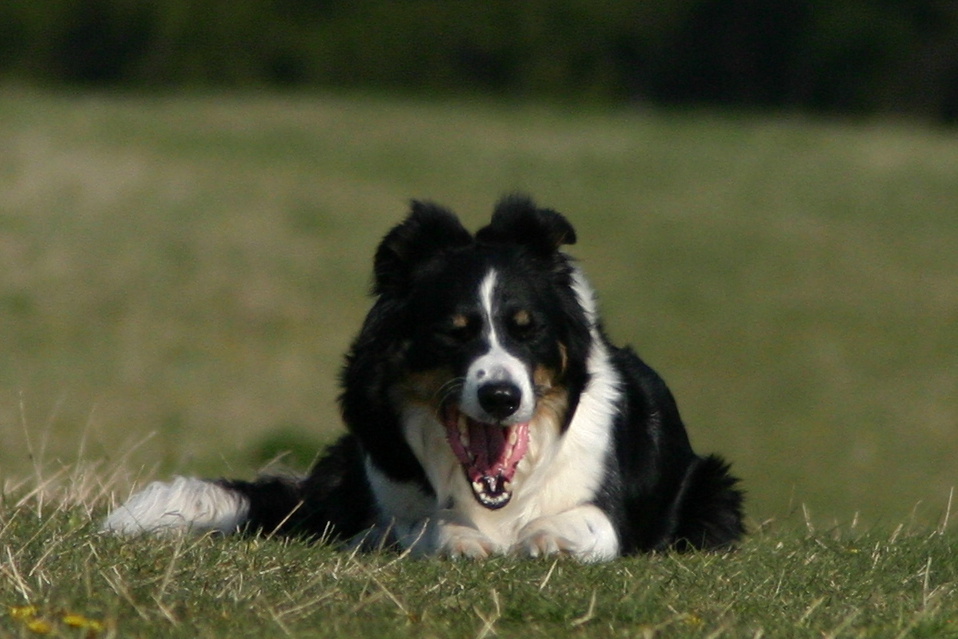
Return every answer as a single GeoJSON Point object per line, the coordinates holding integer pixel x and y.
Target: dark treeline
{"type": "Point", "coordinates": [853, 56]}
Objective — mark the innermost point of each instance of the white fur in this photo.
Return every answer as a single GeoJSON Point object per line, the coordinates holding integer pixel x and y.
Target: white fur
{"type": "Point", "coordinates": [550, 511]}
{"type": "Point", "coordinates": [584, 532]}
{"type": "Point", "coordinates": [409, 511]}
{"type": "Point", "coordinates": [496, 365]}
{"type": "Point", "coordinates": [586, 296]}
{"type": "Point", "coordinates": [415, 522]}
{"type": "Point", "coordinates": [183, 505]}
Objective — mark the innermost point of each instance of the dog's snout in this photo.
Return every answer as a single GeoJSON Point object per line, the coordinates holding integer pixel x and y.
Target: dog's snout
{"type": "Point", "coordinates": [500, 399]}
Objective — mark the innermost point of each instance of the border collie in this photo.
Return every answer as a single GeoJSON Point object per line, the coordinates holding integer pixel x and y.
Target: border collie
{"type": "Point", "coordinates": [487, 414]}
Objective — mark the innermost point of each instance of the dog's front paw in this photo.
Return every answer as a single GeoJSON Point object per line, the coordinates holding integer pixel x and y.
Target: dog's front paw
{"type": "Point", "coordinates": [584, 533]}
{"type": "Point", "coordinates": [446, 534]}
{"type": "Point", "coordinates": [542, 543]}
{"type": "Point", "coordinates": [184, 505]}
{"type": "Point", "coordinates": [462, 541]}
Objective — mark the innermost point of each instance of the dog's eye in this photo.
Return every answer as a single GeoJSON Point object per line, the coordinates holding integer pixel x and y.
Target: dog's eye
{"type": "Point", "coordinates": [460, 328]}
{"type": "Point", "coordinates": [521, 325]}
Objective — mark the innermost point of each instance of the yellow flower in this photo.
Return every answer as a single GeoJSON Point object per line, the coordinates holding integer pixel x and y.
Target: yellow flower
{"type": "Point", "coordinates": [693, 620]}
{"type": "Point", "coordinates": [23, 613]}
{"type": "Point", "coordinates": [79, 621]}
{"type": "Point", "coordinates": [39, 626]}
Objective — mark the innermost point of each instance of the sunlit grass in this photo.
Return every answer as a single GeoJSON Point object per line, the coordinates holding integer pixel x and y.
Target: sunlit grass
{"type": "Point", "coordinates": [59, 577]}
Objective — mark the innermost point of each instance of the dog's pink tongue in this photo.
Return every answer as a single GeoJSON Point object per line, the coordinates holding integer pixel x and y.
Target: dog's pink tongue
{"type": "Point", "coordinates": [489, 445]}
{"type": "Point", "coordinates": [491, 451]}
{"type": "Point", "coordinates": [497, 449]}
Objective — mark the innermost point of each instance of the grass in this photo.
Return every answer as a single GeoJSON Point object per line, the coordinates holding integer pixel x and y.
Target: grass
{"type": "Point", "coordinates": [179, 277]}
{"type": "Point", "coordinates": [59, 577]}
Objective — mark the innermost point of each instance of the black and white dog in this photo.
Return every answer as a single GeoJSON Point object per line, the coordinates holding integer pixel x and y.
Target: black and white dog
{"type": "Point", "coordinates": [487, 413]}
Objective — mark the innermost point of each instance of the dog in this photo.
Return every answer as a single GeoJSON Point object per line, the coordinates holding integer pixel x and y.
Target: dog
{"type": "Point", "coordinates": [487, 413]}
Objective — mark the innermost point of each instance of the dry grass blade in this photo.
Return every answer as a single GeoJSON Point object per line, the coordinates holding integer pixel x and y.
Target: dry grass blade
{"type": "Point", "coordinates": [489, 620]}
{"type": "Point", "coordinates": [10, 567]}
{"type": "Point", "coordinates": [589, 613]}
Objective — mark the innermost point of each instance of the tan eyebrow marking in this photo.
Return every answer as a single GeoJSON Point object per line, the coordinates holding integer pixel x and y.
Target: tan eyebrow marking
{"type": "Point", "coordinates": [522, 318]}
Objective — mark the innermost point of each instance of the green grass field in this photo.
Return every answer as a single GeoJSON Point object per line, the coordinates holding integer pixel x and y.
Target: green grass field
{"type": "Point", "coordinates": [179, 277]}
{"type": "Point", "coordinates": [59, 578]}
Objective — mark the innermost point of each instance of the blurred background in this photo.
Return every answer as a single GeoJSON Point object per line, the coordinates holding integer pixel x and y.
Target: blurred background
{"type": "Point", "coordinates": [765, 194]}
{"type": "Point", "coordinates": [858, 56]}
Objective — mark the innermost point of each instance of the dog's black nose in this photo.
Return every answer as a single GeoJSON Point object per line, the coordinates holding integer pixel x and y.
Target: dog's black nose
{"type": "Point", "coordinates": [499, 399]}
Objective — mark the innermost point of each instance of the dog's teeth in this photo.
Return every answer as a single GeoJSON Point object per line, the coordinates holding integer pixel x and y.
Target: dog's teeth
{"type": "Point", "coordinates": [478, 487]}
{"type": "Point", "coordinates": [513, 436]}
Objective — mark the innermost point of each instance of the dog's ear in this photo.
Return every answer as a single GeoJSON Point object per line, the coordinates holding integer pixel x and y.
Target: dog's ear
{"type": "Point", "coordinates": [428, 230]}
{"type": "Point", "coordinates": [517, 220]}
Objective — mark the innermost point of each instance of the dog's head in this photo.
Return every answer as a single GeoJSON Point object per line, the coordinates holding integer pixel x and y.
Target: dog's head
{"type": "Point", "coordinates": [487, 332]}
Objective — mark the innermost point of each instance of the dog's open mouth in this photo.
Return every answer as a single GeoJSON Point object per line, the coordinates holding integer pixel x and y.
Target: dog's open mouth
{"type": "Point", "coordinates": [489, 454]}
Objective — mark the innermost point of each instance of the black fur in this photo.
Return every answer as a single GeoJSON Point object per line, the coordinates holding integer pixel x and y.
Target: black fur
{"type": "Point", "coordinates": [656, 491]}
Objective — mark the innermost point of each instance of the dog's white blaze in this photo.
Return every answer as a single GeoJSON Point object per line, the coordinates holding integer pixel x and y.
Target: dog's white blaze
{"type": "Point", "coordinates": [183, 505]}
{"type": "Point", "coordinates": [496, 365]}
